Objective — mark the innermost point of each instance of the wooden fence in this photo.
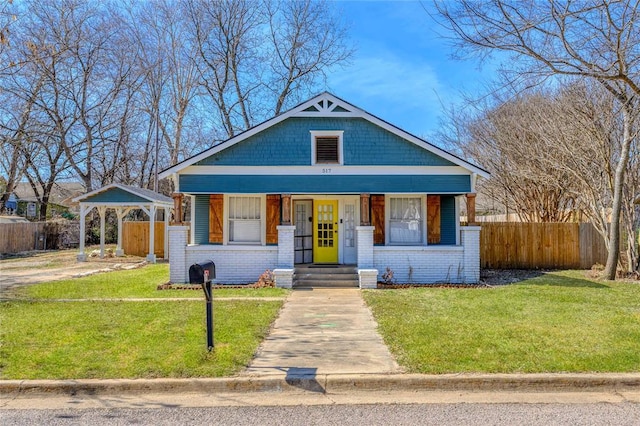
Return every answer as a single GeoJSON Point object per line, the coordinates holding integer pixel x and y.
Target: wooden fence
{"type": "Point", "coordinates": [18, 237]}
{"type": "Point", "coordinates": [135, 238]}
{"type": "Point", "coordinates": [540, 245]}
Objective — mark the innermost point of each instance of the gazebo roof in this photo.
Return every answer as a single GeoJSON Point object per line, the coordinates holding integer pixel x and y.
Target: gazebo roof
{"type": "Point", "coordinates": [117, 194]}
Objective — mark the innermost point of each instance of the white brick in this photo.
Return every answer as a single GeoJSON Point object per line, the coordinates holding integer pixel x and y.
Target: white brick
{"type": "Point", "coordinates": [234, 264]}
{"type": "Point", "coordinates": [177, 254]}
{"type": "Point", "coordinates": [286, 246]}
{"type": "Point", "coordinates": [365, 246]}
{"type": "Point", "coordinates": [283, 277]}
{"type": "Point", "coordinates": [368, 278]}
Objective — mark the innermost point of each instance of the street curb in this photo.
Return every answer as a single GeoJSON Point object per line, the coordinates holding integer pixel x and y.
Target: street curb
{"type": "Point", "coordinates": [331, 383]}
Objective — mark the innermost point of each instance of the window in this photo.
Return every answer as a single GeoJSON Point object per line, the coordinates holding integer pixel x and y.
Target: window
{"type": "Point", "coordinates": [326, 147]}
{"type": "Point", "coordinates": [245, 220]}
{"type": "Point", "coordinates": [406, 220]}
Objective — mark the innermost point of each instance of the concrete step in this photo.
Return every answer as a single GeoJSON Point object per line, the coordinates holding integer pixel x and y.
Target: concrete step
{"type": "Point", "coordinates": [326, 269]}
{"type": "Point", "coordinates": [325, 276]}
{"type": "Point", "coordinates": [325, 284]}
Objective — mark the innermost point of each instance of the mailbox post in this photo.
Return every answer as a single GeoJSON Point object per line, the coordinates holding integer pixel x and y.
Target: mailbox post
{"type": "Point", "coordinates": [202, 273]}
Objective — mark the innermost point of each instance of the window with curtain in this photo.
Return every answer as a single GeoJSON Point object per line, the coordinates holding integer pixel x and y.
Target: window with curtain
{"type": "Point", "coordinates": [406, 220]}
{"type": "Point", "coordinates": [244, 220]}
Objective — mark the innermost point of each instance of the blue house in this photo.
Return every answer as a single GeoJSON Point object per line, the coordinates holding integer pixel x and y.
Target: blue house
{"type": "Point", "coordinates": [326, 183]}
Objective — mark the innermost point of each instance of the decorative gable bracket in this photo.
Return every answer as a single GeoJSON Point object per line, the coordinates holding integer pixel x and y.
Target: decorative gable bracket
{"type": "Point", "coordinates": [325, 107]}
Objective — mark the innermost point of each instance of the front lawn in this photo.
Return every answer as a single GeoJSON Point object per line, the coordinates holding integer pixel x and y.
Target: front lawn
{"type": "Point", "coordinates": [557, 322]}
{"type": "Point", "coordinates": [135, 283]}
{"type": "Point", "coordinates": [58, 340]}
{"type": "Point", "coordinates": [46, 339]}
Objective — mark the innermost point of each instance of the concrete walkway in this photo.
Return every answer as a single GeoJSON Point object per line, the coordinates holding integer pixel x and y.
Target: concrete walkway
{"type": "Point", "coordinates": [323, 331]}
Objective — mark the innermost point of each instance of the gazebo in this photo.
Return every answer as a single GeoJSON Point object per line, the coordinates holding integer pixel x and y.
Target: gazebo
{"type": "Point", "coordinates": [123, 199]}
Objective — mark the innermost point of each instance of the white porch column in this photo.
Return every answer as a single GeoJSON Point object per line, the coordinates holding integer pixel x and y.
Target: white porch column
{"type": "Point", "coordinates": [285, 246]}
{"type": "Point", "coordinates": [151, 257]}
{"type": "Point", "coordinates": [365, 246]}
{"type": "Point", "coordinates": [178, 254]}
{"type": "Point", "coordinates": [121, 212]}
{"type": "Point", "coordinates": [367, 274]}
{"type": "Point", "coordinates": [102, 211]}
{"type": "Point", "coordinates": [167, 211]}
{"type": "Point", "coordinates": [82, 257]}
{"type": "Point", "coordinates": [470, 236]}
{"type": "Point", "coordinates": [284, 272]}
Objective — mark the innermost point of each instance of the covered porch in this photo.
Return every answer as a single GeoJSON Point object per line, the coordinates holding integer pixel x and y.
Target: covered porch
{"type": "Point", "coordinates": [417, 235]}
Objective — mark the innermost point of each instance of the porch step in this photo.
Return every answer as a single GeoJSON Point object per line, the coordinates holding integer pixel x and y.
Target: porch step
{"type": "Point", "coordinates": [325, 276]}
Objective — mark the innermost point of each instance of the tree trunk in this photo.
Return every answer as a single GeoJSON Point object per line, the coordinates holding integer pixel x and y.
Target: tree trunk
{"type": "Point", "coordinates": [614, 232]}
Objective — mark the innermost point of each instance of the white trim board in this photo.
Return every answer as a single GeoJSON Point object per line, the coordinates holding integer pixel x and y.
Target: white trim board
{"type": "Point", "coordinates": [323, 169]}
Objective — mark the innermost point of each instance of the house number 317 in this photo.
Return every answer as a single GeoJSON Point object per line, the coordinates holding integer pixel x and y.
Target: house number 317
{"type": "Point", "coordinates": [326, 170]}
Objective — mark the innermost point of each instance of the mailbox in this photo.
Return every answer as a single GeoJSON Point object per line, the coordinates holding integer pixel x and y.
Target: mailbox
{"type": "Point", "coordinates": [198, 272]}
{"type": "Point", "coordinates": [202, 273]}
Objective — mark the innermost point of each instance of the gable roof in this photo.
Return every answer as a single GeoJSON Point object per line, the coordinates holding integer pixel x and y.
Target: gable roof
{"type": "Point", "coordinates": [140, 193]}
{"type": "Point", "coordinates": [324, 105]}
{"type": "Point", "coordinates": [61, 192]}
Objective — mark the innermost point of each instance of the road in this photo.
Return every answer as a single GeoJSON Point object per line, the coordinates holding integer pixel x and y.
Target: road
{"type": "Point", "coordinates": [378, 414]}
{"type": "Point", "coordinates": [356, 408]}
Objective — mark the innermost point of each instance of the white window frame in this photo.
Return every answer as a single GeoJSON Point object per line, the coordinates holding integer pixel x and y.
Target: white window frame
{"type": "Point", "coordinates": [387, 219]}
{"type": "Point", "coordinates": [326, 133]}
{"type": "Point", "coordinates": [263, 221]}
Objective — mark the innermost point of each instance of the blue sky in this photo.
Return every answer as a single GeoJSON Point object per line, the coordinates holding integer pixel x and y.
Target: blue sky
{"type": "Point", "coordinates": [402, 70]}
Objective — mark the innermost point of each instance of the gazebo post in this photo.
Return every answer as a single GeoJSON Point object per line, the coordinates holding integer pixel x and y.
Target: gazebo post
{"type": "Point", "coordinates": [167, 212]}
{"type": "Point", "coordinates": [102, 211]}
{"type": "Point", "coordinates": [151, 257]}
{"type": "Point", "coordinates": [121, 213]}
{"type": "Point", "coordinates": [82, 257]}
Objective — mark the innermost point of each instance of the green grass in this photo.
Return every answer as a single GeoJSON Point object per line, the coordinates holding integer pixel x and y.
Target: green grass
{"type": "Point", "coordinates": [128, 339]}
{"type": "Point", "coordinates": [44, 339]}
{"type": "Point", "coordinates": [557, 322]}
{"type": "Point", "coordinates": [135, 283]}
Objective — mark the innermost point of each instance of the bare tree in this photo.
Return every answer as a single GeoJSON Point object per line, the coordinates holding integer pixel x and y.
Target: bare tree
{"type": "Point", "coordinates": [166, 58]}
{"type": "Point", "coordinates": [257, 58]}
{"type": "Point", "coordinates": [76, 45]}
{"type": "Point", "coordinates": [506, 139]}
{"type": "Point", "coordinates": [595, 40]}
{"type": "Point", "coordinates": [308, 39]}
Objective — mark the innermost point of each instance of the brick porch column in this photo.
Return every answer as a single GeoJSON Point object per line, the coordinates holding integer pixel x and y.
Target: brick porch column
{"type": "Point", "coordinates": [284, 272]}
{"type": "Point", "coordinates": [367, 274]}
{"type": "Point", "coordinates": [178, 267]}
{"type": "Point", "coordinates": [470, 239]}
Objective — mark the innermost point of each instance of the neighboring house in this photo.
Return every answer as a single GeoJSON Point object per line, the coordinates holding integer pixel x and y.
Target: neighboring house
{"type": "Point", "coordinates": [60, 199]}
{"type": "Point", "coordinates": [326, 182]}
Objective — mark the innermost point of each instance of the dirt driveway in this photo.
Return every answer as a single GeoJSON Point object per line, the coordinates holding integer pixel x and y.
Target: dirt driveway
{"type": "Point", "coordinates": [35, 267]}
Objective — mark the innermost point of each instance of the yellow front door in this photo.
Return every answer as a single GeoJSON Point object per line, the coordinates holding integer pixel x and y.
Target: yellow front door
{"type": "Point", "coordinates": [325, 231]}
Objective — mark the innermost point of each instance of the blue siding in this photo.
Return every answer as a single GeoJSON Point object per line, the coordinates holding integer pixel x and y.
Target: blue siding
{"type": "Point", "coordinates": [115, 195]}
{"type": "Point", "coordinates": [289, 143]}
{"type": "Point", "coordinates": [448, 220]}
{"type": "Point", "coordinates": [202, 219]}
{"type": "Point", "coordinates": [325, 184]}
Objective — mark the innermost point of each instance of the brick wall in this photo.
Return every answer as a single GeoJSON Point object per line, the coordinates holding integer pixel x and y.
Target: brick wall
{"type": "Point", "coordinates": [433, 264]}
{"type": "Point", "coordinates": [234, 264]}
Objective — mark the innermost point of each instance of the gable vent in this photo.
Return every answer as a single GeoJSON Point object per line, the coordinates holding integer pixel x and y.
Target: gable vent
{"type": "Point", "coordinates": [327, 149]}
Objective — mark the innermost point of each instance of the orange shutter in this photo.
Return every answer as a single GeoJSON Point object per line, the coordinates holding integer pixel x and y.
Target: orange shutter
{"type": "Point", "coordinates": [433, 219]}
{"type": "Point", "coordinates": [216, 204]}
{"type": "Point", "coordinates": [273, 218]}
{"type": "Point", "coordinates": [377, 218]}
